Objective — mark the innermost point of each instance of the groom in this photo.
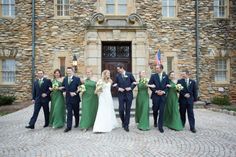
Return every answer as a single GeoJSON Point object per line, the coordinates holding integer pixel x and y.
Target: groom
{"type": "Point", "coordinates": [70, 84]}
{"type": "Point", "coordinates": [160, 80]}
{"type": "Point", "coordinates": [125, 84]}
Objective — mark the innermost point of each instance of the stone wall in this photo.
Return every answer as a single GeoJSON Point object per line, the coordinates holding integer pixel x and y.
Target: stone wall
{"type": "Point", "coordinates": [16, 33]}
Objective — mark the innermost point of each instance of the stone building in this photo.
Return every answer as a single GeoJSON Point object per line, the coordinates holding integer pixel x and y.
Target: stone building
{"type": "Point", "coordinates": [101, 33]}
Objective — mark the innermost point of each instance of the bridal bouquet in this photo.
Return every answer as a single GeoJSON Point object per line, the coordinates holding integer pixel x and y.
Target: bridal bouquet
{"type": "Point", "coordinates": [99, 86]}
{"type": "Point", "coordinates": [179, 87]}
{"type": "Point", "coordinates": [144, 80]}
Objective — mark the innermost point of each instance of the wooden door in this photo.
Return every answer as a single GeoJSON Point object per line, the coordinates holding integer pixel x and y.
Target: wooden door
{"type": "Point", "coordinates": [114, 53]}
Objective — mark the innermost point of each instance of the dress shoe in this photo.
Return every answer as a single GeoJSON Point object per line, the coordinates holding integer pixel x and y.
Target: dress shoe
{"type": "Point", "coordinates": [155, 125]}
{"type": "Point", "coordinates": [76, 126]}
{"type": "Point", "coordinates": [126, 129]}
{"type": "Point", "coordinates": [161, 130]}
{"type": "Point", "coordinates": [67, 129]}
{"type": "Point", "coordinates": [46, 125]}
{"type": "Point", "coordinates": [29, 127]}
{"type": "Point", "coordinates": [193, 130]}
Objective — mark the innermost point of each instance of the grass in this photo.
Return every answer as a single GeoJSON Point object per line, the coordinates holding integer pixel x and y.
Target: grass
{"type": "Point", "coordinates": [3, 113]}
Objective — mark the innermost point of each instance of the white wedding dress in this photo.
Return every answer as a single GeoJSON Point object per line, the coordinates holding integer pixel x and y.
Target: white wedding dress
{"type": "Point", "coordinates": [106, 117]}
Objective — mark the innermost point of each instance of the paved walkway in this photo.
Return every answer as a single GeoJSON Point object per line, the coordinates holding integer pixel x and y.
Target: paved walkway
{"type": "Point", "coordinates": [216, 137]}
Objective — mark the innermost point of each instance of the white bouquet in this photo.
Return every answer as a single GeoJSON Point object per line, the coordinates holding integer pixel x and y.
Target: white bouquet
{"type": "Point", "coordinates": [179, 87]}
{"type": "Point", "coordinates": [144, 80]}
{"type": "Point", "coordinates": [99, 86]}
{"type": "Point", "coordinates": [82, 88]}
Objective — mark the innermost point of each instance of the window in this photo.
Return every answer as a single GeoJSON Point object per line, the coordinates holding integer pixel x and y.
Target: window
{"type": "Point", "coordinates": [116, 7]}
{"type": "Point", "coordinates": [220, 8]}
{"type": "Point", "coordinates": [169, 64]}
{"type": "Point", "coordinates": [62, 7]}
{"type": "Point", "coordinates": [8, 8]}
{"type": "Point", "coordinates": [221, 70]}
{"type": "Point", "coordinates": [8, 68]}
{"type": "Point", "coordinates": [168, 8]}
{"type": "Point", "coordinates": [62, 65]}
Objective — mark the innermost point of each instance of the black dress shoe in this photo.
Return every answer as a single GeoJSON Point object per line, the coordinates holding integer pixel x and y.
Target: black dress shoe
{"type": "Point", "coordinates": [67, 129]}
{"type": "Point", "coordinates": [193, 130]}
{"type": "Point", "coordinates": [76, 126]}
{"type": "Point", "coordinates": [161, 130]}
{"type": "Point", "coordinates": [126, 129]}
{"type": "Point", "coordinates": [46, 125]}
{"type": "Point", "coordinates": [123, 125]}
{"type": "Point", "coordinates": [155, 125]}
{"type": "Point", "coordinates": [29, 127]}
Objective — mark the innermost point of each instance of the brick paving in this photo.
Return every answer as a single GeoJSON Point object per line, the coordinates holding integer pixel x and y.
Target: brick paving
{"type": "Point", "coordinates": [215, 137]}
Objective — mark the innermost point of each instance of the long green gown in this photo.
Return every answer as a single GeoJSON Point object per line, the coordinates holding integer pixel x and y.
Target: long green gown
{"type": "Point", "coordinates": [142, 107]}
{"type": "Point", "coordinates": [89, 105]}
{"type": "Point", "coordinates": [57, 112]}
{"type": "Point", "coordinates": [171, 114]}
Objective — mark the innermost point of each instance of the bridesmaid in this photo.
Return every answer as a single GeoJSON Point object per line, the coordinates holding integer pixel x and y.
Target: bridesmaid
{"type": "Point", "coordinates": [142, 103]}
{"type": "Point", "coordinates": [171, 113]}
{"type": "Point", "coordinates": [57, 113]}
{"type": "Point", "coordinates": [89, 102]}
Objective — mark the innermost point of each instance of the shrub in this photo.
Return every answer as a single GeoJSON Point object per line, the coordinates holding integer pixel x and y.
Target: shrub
{"type": "Point", "coordinates": [223, 101]}
{"type": "Point", "coordinates": [6, 100]}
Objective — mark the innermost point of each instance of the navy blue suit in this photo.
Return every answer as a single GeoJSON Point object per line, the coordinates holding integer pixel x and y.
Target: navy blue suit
{"type": "Point", "coordinates": [125, 98]}
{"type": "Point", "coordinates": [41, 101]}
{"type": "Point", "coordinates": [72, 103]}
{"type": "Point", "coordinates": [187, 103]}
{"type": "Point", "coordinates": [158, 101]}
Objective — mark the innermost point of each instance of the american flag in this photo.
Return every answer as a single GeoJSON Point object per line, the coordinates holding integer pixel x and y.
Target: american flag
{"type": "Point", "coordinates": [158, 57]}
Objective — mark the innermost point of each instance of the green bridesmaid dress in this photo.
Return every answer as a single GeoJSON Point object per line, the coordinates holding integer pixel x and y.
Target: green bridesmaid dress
{"type": "Point", "coordinates": [57, 112]}
{"type": "Point", "coordinates": [171, 114]}
{"type": "Point", "coordinates": [89, 105]}
{"type": "Point", "coordinates": [142, 107]}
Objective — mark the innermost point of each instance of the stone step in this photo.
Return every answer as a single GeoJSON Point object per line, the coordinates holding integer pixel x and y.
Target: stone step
{"type": "Point", "coordinates": [132, 111]}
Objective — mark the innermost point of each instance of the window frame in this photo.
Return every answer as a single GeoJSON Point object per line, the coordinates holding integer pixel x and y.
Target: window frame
{"type": "Point", "coordinates": [227, 70]}
{"type": "Point", "coordinates": [2, 82]}
{"type": "Point", "coordinates": [63, 11]}
{"type": "Point", "coordinates": [9, 11]}
{"type": "Point", "coordinates": [175, 6]}
{"type": "Point", "coordinates": [226, 9]}
{"type": "Point", "coordinates": [116, 8]}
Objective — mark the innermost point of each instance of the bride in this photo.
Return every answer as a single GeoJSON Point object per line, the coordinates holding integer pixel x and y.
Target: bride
{"type": "Point", "coordinates": [105, 118]}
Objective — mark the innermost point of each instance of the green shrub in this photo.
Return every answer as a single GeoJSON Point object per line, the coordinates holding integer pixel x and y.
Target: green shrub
{"type": "Point", "coordinates": [6, 100]}
{"type": "Point", "coordinates": [223, 101]}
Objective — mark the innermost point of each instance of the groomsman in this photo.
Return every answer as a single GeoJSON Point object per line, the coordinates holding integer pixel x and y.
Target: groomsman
{"type": "Point", "coordinates": [70, 84]}
{"type": "Point", "coordinates": [125, 84]}
{"type": "Point", "coordinates": [160, 80]}
{"type": "Point", "coordinates": [186, 99]}
{"type": "Point", "coordinates": [40, 98]}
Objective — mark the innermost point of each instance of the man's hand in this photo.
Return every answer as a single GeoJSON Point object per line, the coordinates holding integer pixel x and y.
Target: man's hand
{"type": "Point", "coordinates": [187, 95]}
{"type": "Point", "coordinates": [44, 95]}
{"type": "Point", "coordinates": [160, 92]}
{"type": "Point", "coordinates": [72, 94]}
{"type": "Point", "coordinates": [128, 89]}
{"type": "Point", "coordinates": [121, 89]}
{"type": "Point", "coordinates": [61, 88]}
{"type": "Point", "coordinates": [64, 94]}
